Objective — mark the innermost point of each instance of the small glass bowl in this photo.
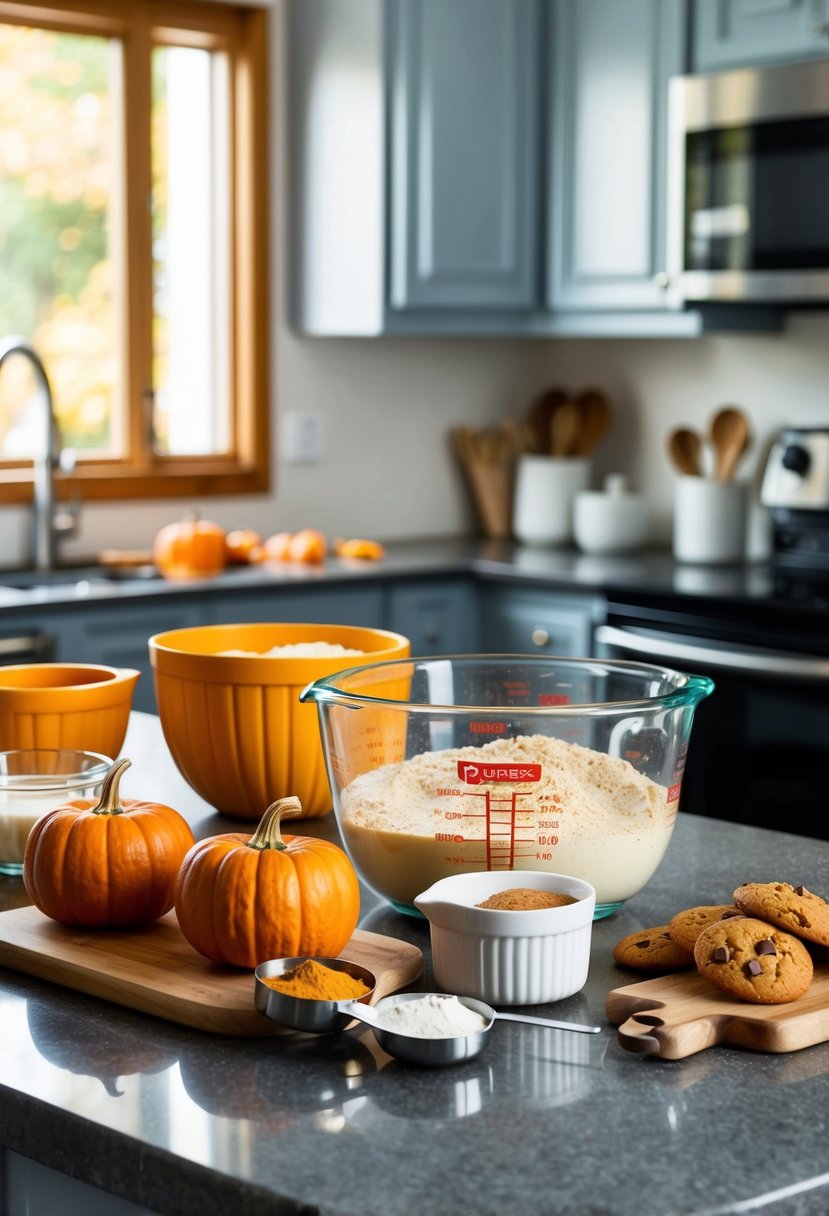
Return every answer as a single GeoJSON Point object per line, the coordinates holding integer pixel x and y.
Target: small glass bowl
{"type": "Point", "coordinates": [36, 780]}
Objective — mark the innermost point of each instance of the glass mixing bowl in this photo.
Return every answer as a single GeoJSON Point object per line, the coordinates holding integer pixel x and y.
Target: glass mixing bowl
{"type": "Point", "coordinates": [442, 766]}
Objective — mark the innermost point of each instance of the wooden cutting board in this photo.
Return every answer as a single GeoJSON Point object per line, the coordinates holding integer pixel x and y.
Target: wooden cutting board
{"type": "Point", "coordinates": [674, 1016]}
{"type": "Point", "coordinates": [155, 970]}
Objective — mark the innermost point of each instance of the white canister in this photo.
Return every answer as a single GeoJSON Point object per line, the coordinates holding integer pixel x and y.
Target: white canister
{"type": "Point", "coordinates": [710, 520]}
{"type": "Point", "coordinates": [609, 521]}
{"type": "Point", "coordinates": [545, 487]}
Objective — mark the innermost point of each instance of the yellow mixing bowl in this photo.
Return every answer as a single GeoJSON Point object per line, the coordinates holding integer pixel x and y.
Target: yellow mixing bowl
{"type": "Point", "coordinates": [234, 723]}
{"type": "Point", "coordinates": [74, 706]}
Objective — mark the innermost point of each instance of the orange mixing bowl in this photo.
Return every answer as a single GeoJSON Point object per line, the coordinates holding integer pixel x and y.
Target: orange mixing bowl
{"type": "Point", "coordinates": [74, 706]}
{"type": "Point", "coordinates": [234, 723]}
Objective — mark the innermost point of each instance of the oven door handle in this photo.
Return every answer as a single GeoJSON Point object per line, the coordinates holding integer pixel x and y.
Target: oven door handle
{"type": "Point", "coordinates": [767, 663]}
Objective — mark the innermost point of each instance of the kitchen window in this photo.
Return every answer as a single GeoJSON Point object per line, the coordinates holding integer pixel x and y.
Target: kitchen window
{"type": "Point", "coordinates": [133, 243]}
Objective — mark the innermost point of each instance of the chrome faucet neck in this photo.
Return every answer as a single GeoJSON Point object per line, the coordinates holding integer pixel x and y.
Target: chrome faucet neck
{"type": "Point", "coordinates": [45, 461]}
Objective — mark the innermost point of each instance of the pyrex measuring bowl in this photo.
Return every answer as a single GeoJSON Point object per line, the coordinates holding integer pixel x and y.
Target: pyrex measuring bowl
{"type": "Point", "coordinates": [440, 766]}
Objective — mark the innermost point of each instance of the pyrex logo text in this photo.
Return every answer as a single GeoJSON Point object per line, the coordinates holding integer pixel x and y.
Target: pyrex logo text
{"type": "Point", "coordinates": [476, 774]}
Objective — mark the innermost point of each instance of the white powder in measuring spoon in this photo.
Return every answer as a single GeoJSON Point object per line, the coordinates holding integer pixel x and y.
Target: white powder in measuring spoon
{"type": "Point", "coordinates": [431, 1017]}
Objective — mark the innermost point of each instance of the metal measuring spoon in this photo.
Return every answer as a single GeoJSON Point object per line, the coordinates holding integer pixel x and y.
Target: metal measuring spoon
{"type": "Point", "coordinates": [460, 1047]}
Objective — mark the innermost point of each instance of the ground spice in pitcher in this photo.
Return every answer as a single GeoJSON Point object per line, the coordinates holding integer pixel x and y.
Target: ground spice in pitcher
{"type": "Point", "coordinates": [525, 899]}
{"type": "Point", "coordinates": [313, 981]}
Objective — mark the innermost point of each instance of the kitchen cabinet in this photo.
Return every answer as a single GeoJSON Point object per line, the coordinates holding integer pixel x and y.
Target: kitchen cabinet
{"type": "Point", "coordinates": [505, 171]}
{"type": "Point", "coordinates": [610, 66]}
{"type": "Point", "coordinates": [464, 123]}
{"type": "Point", "coordinates": [746, 33]}
{"type": "Point", "coordinates": [331, 603]}
{"type": "Point", "coordinates": [537, 622]}
{"type": "Point", "coordinates": [438, 617]}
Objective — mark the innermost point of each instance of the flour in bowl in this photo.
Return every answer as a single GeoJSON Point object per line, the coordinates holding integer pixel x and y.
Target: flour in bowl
{"type": "Point", "coordinates": [528, 803]}
{"type": "Point", "coordinates": [295, 650]}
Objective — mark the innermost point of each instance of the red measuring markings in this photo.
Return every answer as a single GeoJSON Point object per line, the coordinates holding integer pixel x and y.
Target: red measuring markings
{"type": "Point", "coordinates": [673, 791]}
{"type": "Point", "coordinates": [506, 843]}
{"type": "Point", "coordinates": [554, 698]}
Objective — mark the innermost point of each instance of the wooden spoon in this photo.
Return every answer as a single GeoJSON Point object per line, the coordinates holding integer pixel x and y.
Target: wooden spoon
{"type": "Point", "coordinates": [540, 416]}
{"type": "Point", "coordinates": [596, 413]}
{"type": "Point", "coordinates": [730, 434]}
{"type": "Point", "coordinates": [685, 450]}
{"type": "Point", "coordinates": [565, 429]}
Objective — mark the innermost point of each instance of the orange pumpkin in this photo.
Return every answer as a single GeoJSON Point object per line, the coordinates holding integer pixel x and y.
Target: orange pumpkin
{"type": "Point", "coordinates": [190, 548]}
{"type": "Point", "coordinates": [243, 900]}
{"type": "Point", "coordinates": [112, 862]}
{"type": "Point", "coordinates": [368, 550]}
{"type": "Point", "coordinates": [307, 545]}
{"type": "Point", "coordinates": [275, 548]}
{"type": "Point", "coordinates": [242, 545]}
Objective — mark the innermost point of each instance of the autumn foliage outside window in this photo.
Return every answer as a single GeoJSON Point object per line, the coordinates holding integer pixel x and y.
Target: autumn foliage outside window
{"type": "Point", "coordinates": [133, 242]}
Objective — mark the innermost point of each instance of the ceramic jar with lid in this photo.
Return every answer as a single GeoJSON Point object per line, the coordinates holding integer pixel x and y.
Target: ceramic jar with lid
{"type": "Point", "coordinates": [611, 520]}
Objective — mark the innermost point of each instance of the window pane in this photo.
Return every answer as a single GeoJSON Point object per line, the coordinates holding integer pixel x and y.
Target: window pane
{"type": "Point", "coordinates": [191, 292]}
{"type": "Point", "coordinates": [59, 233]}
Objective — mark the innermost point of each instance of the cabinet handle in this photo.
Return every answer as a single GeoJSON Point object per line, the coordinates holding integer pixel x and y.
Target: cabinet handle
{"type": "Point", "coordinates": [540, 636]}
{"type": "Point", "coordinates": [662, 279]}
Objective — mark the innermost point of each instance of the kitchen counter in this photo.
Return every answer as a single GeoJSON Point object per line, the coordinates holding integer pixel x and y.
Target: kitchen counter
{"type": "Point", "coordinates": [649, 576]}
{"type": "Point", "coordinates": [183, 1122]}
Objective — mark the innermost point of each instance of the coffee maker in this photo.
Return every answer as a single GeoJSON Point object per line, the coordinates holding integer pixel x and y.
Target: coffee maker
{"type": "Point", "coordinates": [795, 489]}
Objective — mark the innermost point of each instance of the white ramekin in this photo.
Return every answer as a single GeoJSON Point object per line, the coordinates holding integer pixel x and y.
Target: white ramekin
{"type": "Point", "coordinates": [505, 957]}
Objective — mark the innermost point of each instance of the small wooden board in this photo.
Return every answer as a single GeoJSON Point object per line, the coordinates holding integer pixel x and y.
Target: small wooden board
{"type": "Point", "coordinates": [674, 1016]}
{"type": "Point", "coordinates": [156, 970]}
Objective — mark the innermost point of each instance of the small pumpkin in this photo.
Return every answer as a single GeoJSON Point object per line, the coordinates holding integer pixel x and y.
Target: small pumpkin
{"type": "Point", "coordinates": [275, 548]}
{"type": "Point", "coordinates": [107, 863]}
{"type": "Point", "coordinates": [367, 550]}
{"type": "Point", "coordinates": [243, 900]}
{"type": "Point", "coordinates": [243, 546]}
{"type": "Point", "coordinates": [190, 548]}
{"type": "Point", "coordinates": [307, 545]}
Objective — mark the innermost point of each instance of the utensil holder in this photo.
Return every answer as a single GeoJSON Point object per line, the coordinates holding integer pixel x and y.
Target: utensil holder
{"type": "Point", "coordinates": [491, 484]}
{"type": "Point", "coordinates": [545, 487]}
{"type": "Point", "coordinates": [710, 520]}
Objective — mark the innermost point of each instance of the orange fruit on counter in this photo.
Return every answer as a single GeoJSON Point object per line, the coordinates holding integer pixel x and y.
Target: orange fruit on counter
{"type": "Point", "coordinates": [242, 545]}
{"type": "Point", "coordinates": [308, 545]}
{"type": "Point", "coordinates": [190, 548]}
{"type": "Point", "coordinates": [275, 548]}
{"type": "Point", "coordinates": [368, 550]}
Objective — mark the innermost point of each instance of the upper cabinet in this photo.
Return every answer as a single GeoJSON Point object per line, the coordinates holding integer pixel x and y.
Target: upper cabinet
{"type": "Point", "coordinates": [463, 154]}
{"type": "Point", "coordinates": [611, 62]}
{"type": "Point", "coordinates": [745, 33]}
{"type": "Point", "coordinates": [482, 166]}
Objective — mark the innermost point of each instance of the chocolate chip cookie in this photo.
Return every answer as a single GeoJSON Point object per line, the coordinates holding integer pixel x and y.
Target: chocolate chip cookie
{"type": "Point", "coordinates": [755, 961]}
{"type": "Point", "coordinates": [792, 908]}
{"type": "Point", "coordinates": [686, 926]}
{"type": "Point", "coordinates": [652, 950]}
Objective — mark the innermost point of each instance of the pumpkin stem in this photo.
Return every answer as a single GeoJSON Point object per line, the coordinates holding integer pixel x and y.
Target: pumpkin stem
{"type": "Point", "coordinates": [268, 834]}
{"type": "Point", "coordinates": [109, 802]}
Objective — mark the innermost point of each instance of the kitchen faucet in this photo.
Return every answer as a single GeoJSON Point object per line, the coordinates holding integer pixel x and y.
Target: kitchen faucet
{"type": "Point", "coordinates": [48, 526]}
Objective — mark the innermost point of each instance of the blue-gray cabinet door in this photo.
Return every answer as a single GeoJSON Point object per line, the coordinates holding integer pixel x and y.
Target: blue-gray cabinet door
{"type": "Point", "coordinates": [610, 62]}
{"type": "Point", "coordinates": [745, 33]}
{"type": "Point", "coordinates": [464, 152]}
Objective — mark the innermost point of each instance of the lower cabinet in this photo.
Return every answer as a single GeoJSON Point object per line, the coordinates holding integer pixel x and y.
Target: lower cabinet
{"type": "Point", "coordinates": [536, 622]}
{"type": "Point", "coordinates": [330, 604]}
{"type": "Point", "coordinates": [438, 617]}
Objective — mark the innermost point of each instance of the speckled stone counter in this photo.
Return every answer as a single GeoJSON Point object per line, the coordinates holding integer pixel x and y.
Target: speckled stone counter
{"type": "Point", "coordinates": [544, 1121]}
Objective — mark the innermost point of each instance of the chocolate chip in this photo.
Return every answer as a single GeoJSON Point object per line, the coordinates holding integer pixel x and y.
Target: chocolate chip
{"type": "Point", "coordinates": [753, 967]}
{"type": "Point", "coordinates": [643, 945]}
{"type": "Point", "coordinates": [729, 912]}
{"type": "Point", "coordinates": [766, 946]}
{"type": "Point", "coordinates": [721, 955]}
{"type": "Point", "coordinates": [800, 890]}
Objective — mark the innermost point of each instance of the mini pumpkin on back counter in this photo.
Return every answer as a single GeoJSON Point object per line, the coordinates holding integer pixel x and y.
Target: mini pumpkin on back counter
{"type": "Point", "coordinates": [110, 863]}
{"type": "Point", "coordinates": [244, 900]}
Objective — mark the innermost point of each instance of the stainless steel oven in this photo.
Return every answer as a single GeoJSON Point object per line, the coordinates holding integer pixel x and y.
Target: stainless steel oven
{"type": "Point", "coordinates": [26, 647]}
{"type": "Point", "coordinates": [748, 193]}
{"type": "Point", "coordinates": [759, 747]}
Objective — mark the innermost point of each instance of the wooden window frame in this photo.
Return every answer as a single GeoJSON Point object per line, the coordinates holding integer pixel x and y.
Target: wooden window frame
{"type": "Point", "coordinates": [243, 34]}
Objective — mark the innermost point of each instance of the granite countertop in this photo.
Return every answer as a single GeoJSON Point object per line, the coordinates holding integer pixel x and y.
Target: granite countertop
{"type": "Point", "coordinates": [183, 1122]}
{"type": "Point", "coordinates": [649, 577]}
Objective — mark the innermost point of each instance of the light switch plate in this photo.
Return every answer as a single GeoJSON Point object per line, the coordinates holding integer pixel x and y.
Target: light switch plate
{"type": "Point", "coordinates": [302, 437]}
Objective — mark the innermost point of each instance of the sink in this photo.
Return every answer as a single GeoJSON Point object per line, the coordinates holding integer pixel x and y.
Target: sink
{"type": "Point", "coordinates": [86, 576]}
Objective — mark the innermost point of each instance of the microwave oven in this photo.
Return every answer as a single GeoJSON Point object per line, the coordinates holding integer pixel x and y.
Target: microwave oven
{"type": "Point", "coordinates": [748, 185]}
